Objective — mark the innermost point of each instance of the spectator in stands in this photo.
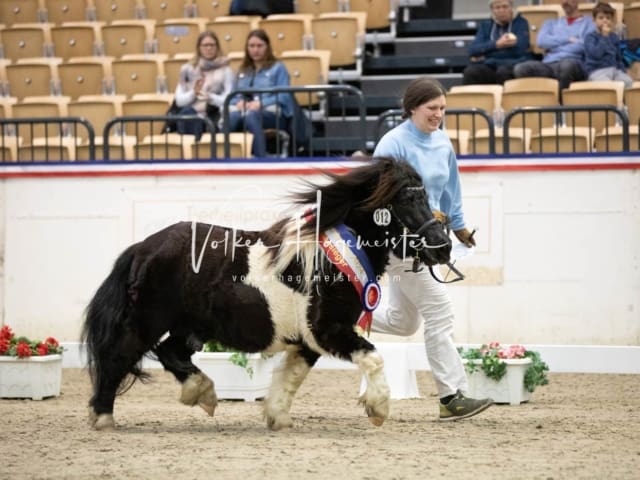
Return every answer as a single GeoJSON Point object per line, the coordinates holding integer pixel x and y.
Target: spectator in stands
{"type": "Point", "coordinates": [260, 69]}
{"type": "Point", "coordinates": [603, 56]}
{"type": "Point", "coordinates": [563, 42]}
{"type": "Point", "coordinates": [414, 297]}
{"type": "Point", "coordinates": [204, 83]}
{"type": "Point", "coordinates": [500, 43]}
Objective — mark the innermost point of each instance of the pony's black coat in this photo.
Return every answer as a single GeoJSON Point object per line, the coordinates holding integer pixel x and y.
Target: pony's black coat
{"type": "Point", "coordinates": [153, 288]}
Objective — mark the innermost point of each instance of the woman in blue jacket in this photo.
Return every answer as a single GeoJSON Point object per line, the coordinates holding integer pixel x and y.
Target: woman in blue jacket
{"type": "Point", "coordinates": [260, 69]}
{"type": "Point", "coordinates": [500, 43]}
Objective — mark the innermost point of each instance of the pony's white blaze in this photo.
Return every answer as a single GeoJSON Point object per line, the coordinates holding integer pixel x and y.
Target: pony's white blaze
{"type": "Point", "coordinates": [287, 307]}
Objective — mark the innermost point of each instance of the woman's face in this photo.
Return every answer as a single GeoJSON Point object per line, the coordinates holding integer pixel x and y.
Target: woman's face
{"type": "Point", "coordinates": [257, 49]}
{"type": "Point", "coordinates": [428, 116]}
{"type": "Point", "coordinates": [208, 48]}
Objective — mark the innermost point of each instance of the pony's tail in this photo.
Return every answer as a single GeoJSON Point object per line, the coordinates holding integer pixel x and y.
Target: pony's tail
{"type": "Point", "coordinates": [104, 321]}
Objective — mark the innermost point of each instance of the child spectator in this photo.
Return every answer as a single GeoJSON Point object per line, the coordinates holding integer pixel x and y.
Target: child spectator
{"type": "Point", "coordinates": [603, 57]}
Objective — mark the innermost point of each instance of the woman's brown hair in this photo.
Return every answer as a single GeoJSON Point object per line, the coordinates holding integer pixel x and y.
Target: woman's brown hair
{"type": "Point", "coordinates": [270, 58]}
{"type": "Point", "coordinates": [419, 91]}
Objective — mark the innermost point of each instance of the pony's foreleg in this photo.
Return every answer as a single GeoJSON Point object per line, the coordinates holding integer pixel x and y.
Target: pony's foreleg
{"type": "Point", "coordinates": [376, 397]}
{"type": "Point", "coordinates": [198, 388]}
{"type": "Point", "coordinates": [175, 355]}
{"type": "Point", "coordinates": [287, 378]}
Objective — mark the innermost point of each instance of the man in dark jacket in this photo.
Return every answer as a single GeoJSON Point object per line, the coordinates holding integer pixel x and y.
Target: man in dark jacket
{"type": "Point", "coordinates": [500, 43]}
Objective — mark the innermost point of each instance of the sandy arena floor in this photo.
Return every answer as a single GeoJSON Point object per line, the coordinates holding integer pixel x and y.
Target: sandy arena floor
{"type": "Point", "coordinates": [577, 427]}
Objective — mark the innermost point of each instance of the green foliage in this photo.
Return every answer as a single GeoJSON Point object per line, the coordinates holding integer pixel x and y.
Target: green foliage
{"type": "Point", "coordinates": [494, 367]}
{"type": "Point", "coordinates": [237, 358]}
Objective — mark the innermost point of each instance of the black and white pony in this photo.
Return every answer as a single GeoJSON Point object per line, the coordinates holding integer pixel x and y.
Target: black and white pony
{"type": "Point", "coordinates": [259, 291]}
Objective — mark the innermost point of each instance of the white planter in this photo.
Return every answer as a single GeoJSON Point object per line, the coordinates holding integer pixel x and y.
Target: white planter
{"type": "Point", "coordinates": [233, 382]}
{"type": "Point", "coordinates": [34, 377]}
{"type": "Point", "coordinates": [510, 389]}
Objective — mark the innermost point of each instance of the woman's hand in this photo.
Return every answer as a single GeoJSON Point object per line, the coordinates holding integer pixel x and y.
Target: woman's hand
{"type": "Point", "coordinates": [466, 237]}
{"type": "Point", "coordinates": [197, 87]}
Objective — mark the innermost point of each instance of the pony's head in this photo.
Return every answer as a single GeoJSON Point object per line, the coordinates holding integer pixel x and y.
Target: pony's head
{"type": "Point", "coordinates": [384, 201]}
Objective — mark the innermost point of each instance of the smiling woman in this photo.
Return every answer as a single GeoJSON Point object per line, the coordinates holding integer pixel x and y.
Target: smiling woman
{"type": "Point", "coordinates": [418, 295]}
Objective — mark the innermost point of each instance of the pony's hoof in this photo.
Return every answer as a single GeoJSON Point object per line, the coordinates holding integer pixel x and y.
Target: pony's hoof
{"type": "Point", "coordinates": [279, 422]}
{"type": "Point", "coordinates": [376, 421]}
{"type": "Point", "coordinates": [105, 422]}
{"type": "Point", "coordinates": [377, 413]}
{"type": "Point", "coordinates": [196, 385]}
{"type": "Point", "coordinates": [210, 409]}
{"type": "Point", "coordinates": [93, 417]}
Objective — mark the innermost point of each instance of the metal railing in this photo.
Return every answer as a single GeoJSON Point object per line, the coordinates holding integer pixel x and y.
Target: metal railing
{"type": "Point", "coordinates": [70, 134]}
{"type": "Point", "coordinates": [140, 126]}
{"type": "Point", "coordinates": [59, 136]}
{"type": "Point", "coordinates": [309, 138]}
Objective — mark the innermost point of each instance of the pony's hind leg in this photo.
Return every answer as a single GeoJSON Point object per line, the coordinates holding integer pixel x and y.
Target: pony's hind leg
{"type": "Point", "coordinates": [175, 355]}
{"type": "Point", "coordinates": [109, 370]}
{"type": "Point", "coordinates": [376, 397]}
{"type": "Point", "coordinates": [287, 378]}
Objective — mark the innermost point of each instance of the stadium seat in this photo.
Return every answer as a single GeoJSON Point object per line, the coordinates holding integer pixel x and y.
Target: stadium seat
{"type": "Point", "coordinates": [471, 96]}
{"type": "Point", "coordinates": [307, 67]}
{"type": "Point", "coordinates": [239, 146]}
{"type": "Point", "coordinates": [31, 78]}
{"type": "Point", "coordinates": [170, 146]}
{"type": "Point", "coordinates": [211, 8]}
{"type": "Point", "coordinates": [232, 32]}
{"type": "Point", "coordinates": [610, 140]}
{"type": "Point", "coordinates": [632, 20]}
{"type": "Point", "coordinates": [9, 148]}
{"type": "Point", "coordinates": [60, 11]}
{"type": "Point", "coordinates": [343, 35]}
{"type": "Point", "coordinates": [123, 37]}
{"type": "Point", "coordinates": [137, 75]}
{"type": "Point", "coordinates": [563, 140]}
{"type": "Point", "coordinates": [137, 107]}
{"type": "Point", "coordinates": [316, 7]}
{"type": "Point", "coordinates": [37, 108]}
{"type": "Point", "coordinates": [460, 140]}
{"type": "Point", "coordinates": [20, 11]}
{"type": "Point", "coordinates": [519, 141]}
{"type": "Point", "coordinates": [530, 92]}
{"type": "Point", "coordinates": [177, 36]}
{"type": "Point", "coordinates": [110, 10]}
{"type": "Point", "coordinates": [26, 41]}
{"type": "Point", "coordinates": [287, 32]}
{"type": "Point", "coordinates": [80, 39]}
{"type": "Point", "coordinates": [161, 10]}
{"type": "Point", "coordinates": [120, 147]}
{"type": "Point", "coordinates": [632, 102]}
{"type": "Point", "coordinates": [97, 110]}
{"type": "Point", "coordinates": [593, 93]}
{"type": "Point", "coordinates": [85, 76]}
{"type": "Point", "coordinates": [172, 66]}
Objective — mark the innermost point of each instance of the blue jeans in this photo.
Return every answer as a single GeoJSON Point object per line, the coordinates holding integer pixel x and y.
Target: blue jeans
{"type": "Point", "coordinates": [255, 121]}
{"type": "Point", "coordinates": [190, 127]}
{"type": "Point", "coordinates": [565, 71]}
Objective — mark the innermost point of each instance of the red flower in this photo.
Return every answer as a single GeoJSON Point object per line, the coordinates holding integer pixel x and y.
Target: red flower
{"type": "Point", "coordinates": [6, 333]}
{"type": "Point", "coordinates": [23, 350]}
{"type": "Point", "coordinates": [52, 341]}
{"type": "Point", "coordinates": [43, 349]}
{"type": "Point", "coordinates": [4, 345]}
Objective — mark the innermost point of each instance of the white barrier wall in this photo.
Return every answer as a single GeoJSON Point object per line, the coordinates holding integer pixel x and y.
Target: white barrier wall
{"type": "Point", "coordinates": [557, 263]}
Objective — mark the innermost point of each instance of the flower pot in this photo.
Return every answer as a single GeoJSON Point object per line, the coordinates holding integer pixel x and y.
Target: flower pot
{"type": "Point", "coordinates": [33, 377]}
{"type": "Point", "coordinates": [233, 382]}
{"type": "Point", "coordinates": [509, 389]}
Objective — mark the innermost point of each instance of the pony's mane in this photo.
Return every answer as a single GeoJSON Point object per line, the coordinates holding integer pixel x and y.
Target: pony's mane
{"type": "Point", "coordinates": [364, 188]}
